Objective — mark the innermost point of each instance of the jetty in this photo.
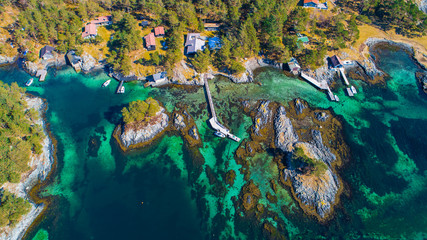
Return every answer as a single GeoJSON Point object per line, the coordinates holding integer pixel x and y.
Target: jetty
{"type": "Point", "coordinates": [213, 121]}
{"type": "Point", "coordinates": [351, 90]}
{"type": "Point", "coordinates": [41, 74]}
{"type": "Point", "coordinates": [323, 85]}
{"type": "Point", "coordinates": [119, 87]}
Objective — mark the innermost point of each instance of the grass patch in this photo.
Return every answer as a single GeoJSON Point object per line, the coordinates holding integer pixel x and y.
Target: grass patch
{"type": "Point", "coordinates": [314, 166]}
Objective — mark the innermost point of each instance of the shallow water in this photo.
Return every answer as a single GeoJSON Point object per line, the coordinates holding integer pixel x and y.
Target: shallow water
{"type": "Point", "coordinates": [154, 193]}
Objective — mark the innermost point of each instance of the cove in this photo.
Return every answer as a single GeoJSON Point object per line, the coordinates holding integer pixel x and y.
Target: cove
{"type": "Point", "coordinates": [100, 189]}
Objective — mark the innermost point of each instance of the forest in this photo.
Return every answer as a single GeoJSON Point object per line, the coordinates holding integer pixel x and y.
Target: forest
{"type": "Point", "coordinates": [11, 208]}
{"type": "Point", "coordinates": [19, 136]}
{"type": "Point", "coordinates": [250, 27]}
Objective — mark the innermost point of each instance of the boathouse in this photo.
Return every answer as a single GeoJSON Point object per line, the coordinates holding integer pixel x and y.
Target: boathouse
{"type": "Point", "coordinates": [74, 60]}
{"type": "Point", "coordinates": [335, 62]}
{"type": "Point", "coordinates": [294, 66]}
{"type": "Point", "coordinates": [150, 42]}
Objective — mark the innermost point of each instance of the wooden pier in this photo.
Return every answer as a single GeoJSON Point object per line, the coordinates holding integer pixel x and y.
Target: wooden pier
{"type": "Point", "coordinates": [323, 85]}
{"type": "Point", "coordinates": [41, 74]}
{"type": "Point", "coordinates": [213, 121]}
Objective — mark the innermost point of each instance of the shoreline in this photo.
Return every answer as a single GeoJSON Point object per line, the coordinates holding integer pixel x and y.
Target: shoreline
{"type": "Point", "coordinates": [42, 167]}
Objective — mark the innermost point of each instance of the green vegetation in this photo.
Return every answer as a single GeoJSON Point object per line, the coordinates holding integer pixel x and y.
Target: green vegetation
{"type": "Point", "coordinates": [314, 166]}
{"type": "Point", "coordinates": [202, 60]}
{"type": "Point", "coordinates": [126, 39]}
{"type": "Point", "coordinates": [404, 16]}
{"type": "Point", "coordinates": [266, 27]}
{"type": "Point", "coordinates": [140, 111]}
{"type": "Point", "coordinates": [19, 137]}
{"type": "Point", "coordinates": [12, 208]}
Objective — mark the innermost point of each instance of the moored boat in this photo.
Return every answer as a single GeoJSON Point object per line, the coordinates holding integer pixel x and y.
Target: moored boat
{"type": "Point", "coordinates": [122, 89]}
{"type": "Point", "coordinates": [29, 82]}
{"type": "Point", "coordinates": [219, 134]}
{"type": "Point", "coordinates": [353, 89]}
{"type": "Point", "coordinates": [106, 83]}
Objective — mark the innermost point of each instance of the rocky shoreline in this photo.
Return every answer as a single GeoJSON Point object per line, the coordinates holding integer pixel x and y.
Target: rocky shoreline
{"type": "Point", "coordinates": [283, 130]}
{"type": "Point", "coordinates": [135, 136]}
{"type": "Point", "coordinates": [40, 168]}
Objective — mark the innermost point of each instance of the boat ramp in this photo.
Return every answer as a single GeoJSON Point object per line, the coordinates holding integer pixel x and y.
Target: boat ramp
{"type": "Point", "coordinates": [213, 121]}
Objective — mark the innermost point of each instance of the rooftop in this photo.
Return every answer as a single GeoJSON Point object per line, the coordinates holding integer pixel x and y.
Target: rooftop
{"type": "Point", "coordinates": [150, 40]}
{"type": "Point", "coordinates": [159, 31]}
{"type": "Point", "coordinates": [90, 29]}
{"type": "Point", "coordinates": [102, 19]}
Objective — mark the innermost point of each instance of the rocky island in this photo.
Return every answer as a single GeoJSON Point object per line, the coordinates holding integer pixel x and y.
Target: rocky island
{"type": "Point", "coordinates": [307, 145]}
{"type": "Point", "coordinates": [144, 121]}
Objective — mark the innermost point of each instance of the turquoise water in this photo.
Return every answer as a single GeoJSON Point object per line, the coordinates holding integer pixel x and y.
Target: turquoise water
{"type": "Point", "coordinates": [99, 190]}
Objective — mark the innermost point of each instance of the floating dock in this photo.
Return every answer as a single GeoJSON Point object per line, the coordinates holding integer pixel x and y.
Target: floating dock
{"type": "Point", "coordinates": [120, 86]}
{"type": "Point", "coordinates": [41, 74]}
{"type": "Point", "coordinates": [213, 121]}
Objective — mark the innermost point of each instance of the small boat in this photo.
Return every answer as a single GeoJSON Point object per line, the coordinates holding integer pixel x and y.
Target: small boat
{"type": "Point", "coordinates": [219, 134]}
{"type": "Point", "coordinates": [29, 82]}
{"type": "Point", "coordinates": [349, 92]}
{"type": "Point", "coordinates": [353, 89]}
{"type": "Point", "coordinates": [122, 89]}
{"type": "Point", "coordinates": [337, 98]}
{"type": "Point", "coordinates": [106, 83]}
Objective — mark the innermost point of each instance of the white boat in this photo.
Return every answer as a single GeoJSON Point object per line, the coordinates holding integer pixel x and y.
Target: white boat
{"type": "Point", "coordinates": [106, 83]}
{"type": "Point", "coordinates": [219, 134]}
{"type": "Point", "coordinates": [29, 82]}
{"type": "Point", "coordinates": [337, 98]}
{"type": "Point", "coordinates": [349, 92]}
{"type": "Point", "coordinates": [353, 89]}
{"type": "Point", "coordinates": [122, 89]}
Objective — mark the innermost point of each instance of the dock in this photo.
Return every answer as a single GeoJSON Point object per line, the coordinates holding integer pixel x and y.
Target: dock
{"type": "Point", "coordinates": [323, 85]}
{"type": "Point", "coordinates": [120, 86]}
{"type": "Point", "coordinates": [344, 77]}
{"type": "Point", "coordinates": [41, 74]}
{"type": "Point", "coordinates": [213, 121]}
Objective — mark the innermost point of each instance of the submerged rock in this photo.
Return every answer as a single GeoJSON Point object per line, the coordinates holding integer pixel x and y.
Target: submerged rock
{"type": "Point", "coordinates": [140, 133]}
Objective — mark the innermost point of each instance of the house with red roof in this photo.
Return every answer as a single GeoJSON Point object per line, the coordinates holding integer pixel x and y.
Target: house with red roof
{"type": "Point", "coordinates": [90, 31]}
{"type": "Point", "coordinates": [150, 42]}
{"type": "Point", "coordinates": [103, 20]}
{"type": "Point", "coordinates": [159, 31]}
